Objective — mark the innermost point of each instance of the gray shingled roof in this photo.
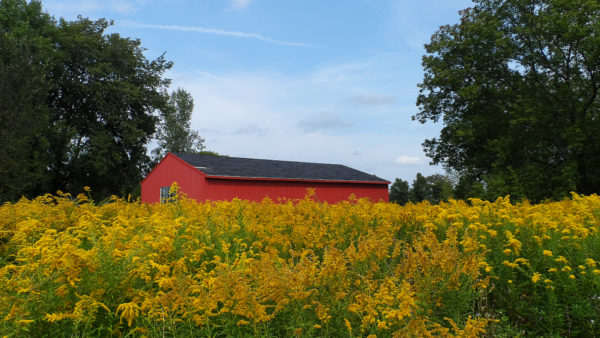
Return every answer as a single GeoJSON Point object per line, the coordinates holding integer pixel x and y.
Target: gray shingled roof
{"type": "Point", "coordinates": [255, 168]}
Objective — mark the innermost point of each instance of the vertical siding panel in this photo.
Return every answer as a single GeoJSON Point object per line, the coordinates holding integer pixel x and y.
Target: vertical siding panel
{"type": "Point", "coordinates": [254, 190]}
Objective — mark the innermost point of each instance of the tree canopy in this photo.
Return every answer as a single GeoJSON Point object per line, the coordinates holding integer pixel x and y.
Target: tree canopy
{"type": "Point", "coordinates": [174, 132]}
{"type": "Point", "coordinates": [78, 106]}
{"type": "Point", "coordinates": [515, 84]}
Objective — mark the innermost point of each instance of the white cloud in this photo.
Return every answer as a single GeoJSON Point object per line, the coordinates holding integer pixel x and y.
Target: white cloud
{"type": "Point", "coordinates": [240, 4]}
{"type": "Point", "coordinates": [251, 129]}
{"type": "Point", "coordinates": [408, 160]}
{"type": "Point", "coordinates": [123, 6]}
{"type": "Point", "coordinates": [325, 120]}
{"type": "Point", "coordinates": [372, 99]}
{"type": "Point", "coordinates": [213, 31]}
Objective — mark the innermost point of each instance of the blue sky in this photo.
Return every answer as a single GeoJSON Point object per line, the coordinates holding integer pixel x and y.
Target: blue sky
{"type": "Point", "coordinates": [303, 80]}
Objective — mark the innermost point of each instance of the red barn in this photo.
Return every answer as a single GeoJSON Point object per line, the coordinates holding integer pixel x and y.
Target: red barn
{"type": "Point", "coordinates": [208, 177]}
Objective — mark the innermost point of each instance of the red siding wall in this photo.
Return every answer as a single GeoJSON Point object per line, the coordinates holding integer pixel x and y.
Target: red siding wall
{"type": "Point", "coordinates": [172, 169]}
{"type": "Point", "coordinates": [256, 190]}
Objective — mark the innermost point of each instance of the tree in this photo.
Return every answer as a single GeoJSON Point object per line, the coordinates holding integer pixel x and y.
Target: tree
{"type": "Point", "coordinates": [23, 87]}
{"type": "Point", "coordinates": [105, 102]}
{"type": "Point", "coordinates": [421, 190]}
{"type": "Point", "coordinates": [94, 101]}
{"type": "Point", "coordinates": [516, 86]}
{"type": "Point", "coordinates": [440, 187]}
{"type": "Point", "coordinates": [400, 192]}
{"type": "Point", "coordinates": [174, 133]}
{"type": "Point", "coordinates": [467, 187]}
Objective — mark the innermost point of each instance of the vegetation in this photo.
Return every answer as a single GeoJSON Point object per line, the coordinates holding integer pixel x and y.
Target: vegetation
{"type": "Point", "coordinates": [516, 86]}
{"type": "Point", "coordinates": [434, 188]}
{"type": "Point", "coordinates": [78, 106]}
{"type": "Point", "coordinates": [174, 133]}
{"type": "Point", "coordinates": [239, 268]}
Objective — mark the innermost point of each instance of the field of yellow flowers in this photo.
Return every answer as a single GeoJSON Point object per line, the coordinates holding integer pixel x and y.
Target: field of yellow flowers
{"type": "Point", "coordinates": [69, 267]}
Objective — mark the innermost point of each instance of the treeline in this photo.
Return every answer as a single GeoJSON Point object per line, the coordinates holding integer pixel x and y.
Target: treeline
{"type": "Point", "coordinates": [79, 107]}
{"type": "Point", "coordinates": [436, 188]}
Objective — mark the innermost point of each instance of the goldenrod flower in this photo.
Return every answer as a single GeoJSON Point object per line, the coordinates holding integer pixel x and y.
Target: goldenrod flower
{"type": "Point", "coordinates": [348, 325]}
{"type": "Point", "coordinates": [129, 311]}
{"type": "Point", "coordinates": [561, 259]}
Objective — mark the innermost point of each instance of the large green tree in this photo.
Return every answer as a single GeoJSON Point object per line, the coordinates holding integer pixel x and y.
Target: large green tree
{"type": "Point", "coordinates": [91, 98]}
{"type": "Point", "coordinates": [516, 86]}
{"type": "Point", "coordinates": [24, 49]}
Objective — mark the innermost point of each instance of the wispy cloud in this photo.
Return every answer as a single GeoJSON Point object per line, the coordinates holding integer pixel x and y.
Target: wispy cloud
{"type": "Point", "coordinates": [326, 120]}
{"type": "Point", "coordinates": [213, 31]}
{"type": "Point", "coordinates": [408, 160]}
{"type": "Point", "coordinates": [372, 99]}
{"type": "Point", "coordinates": [389, 14]}
{"type": "Point", "coordinates": [240, 4]}
{"type": "Point", "coordinates": [250, 129]}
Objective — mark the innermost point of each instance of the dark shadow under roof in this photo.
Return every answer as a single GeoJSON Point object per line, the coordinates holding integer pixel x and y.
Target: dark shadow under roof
{"type": "Point", "coordinates": [255, 168]}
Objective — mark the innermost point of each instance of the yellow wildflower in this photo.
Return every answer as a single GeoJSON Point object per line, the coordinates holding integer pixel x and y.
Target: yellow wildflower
{"type": "Point", "coordinates": [536, 277]}
{"type": "Point", "coordinates": [348, 325]}
{"type": "Point", "coordinates": [129, 311]}
{"type": "Point", "coordinates": [522, 261]}
{"type": "Point", "coordinates": [561, 259]}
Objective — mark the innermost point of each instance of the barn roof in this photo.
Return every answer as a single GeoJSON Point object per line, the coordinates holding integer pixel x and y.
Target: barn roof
{"type": "Point", "coordinates": [237, 167]}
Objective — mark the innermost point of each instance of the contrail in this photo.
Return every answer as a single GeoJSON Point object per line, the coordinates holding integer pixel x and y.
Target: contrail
{"type": "Point", "coordinates": [204, 30]}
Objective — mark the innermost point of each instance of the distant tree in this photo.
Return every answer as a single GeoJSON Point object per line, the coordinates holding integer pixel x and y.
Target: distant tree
{"type": "Point", "coordinates": [421, 189]}
{"type": "Point", "coordinates": [400, 192]}
{"type": "Point", "coordinates": [516, 85]}
{"type": "Point", "coordinates": [440, 187]}
{"type": "Point", "coordinates": [468, 187]}
{"type": "Point", "coordinates": [174, 132]}
{"type": "Point", "coordinates": [77, 105]}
